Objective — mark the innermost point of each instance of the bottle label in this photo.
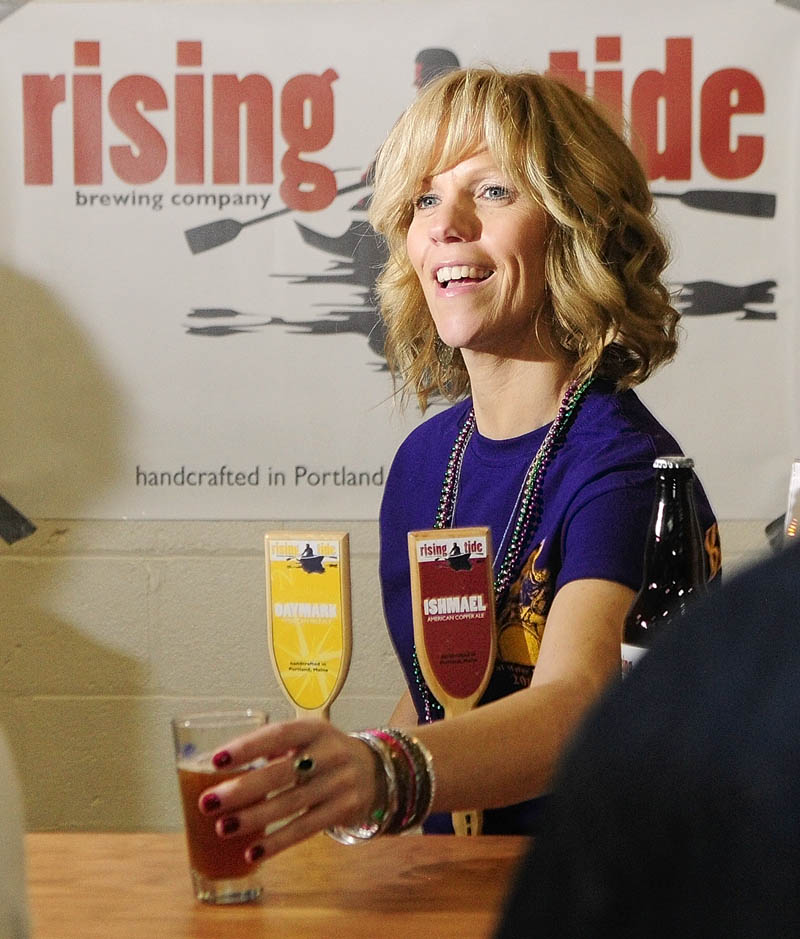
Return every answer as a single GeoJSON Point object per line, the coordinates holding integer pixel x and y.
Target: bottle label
{"type": "Point", "coordinates": [631, 655]}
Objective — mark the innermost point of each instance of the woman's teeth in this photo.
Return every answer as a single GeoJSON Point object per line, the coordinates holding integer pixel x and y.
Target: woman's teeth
{"type": "Point", "coordinates": [461, 272]}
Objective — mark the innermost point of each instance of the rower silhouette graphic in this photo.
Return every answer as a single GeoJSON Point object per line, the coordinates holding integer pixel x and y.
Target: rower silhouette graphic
{"type": "Point", "coordinates": [459, 560]}
{"type": "Point", "coordinates": [310, 561]}
{"type": "Point", "coordinates": [710, 297]}
{"type": "Point", "coordinates": [358, 256]}
{"type": "Point", "coordinates": [359, 252]}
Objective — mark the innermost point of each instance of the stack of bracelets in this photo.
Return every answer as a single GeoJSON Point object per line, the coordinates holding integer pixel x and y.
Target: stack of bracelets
{"type": "Point", "coordinates": [409, 785]}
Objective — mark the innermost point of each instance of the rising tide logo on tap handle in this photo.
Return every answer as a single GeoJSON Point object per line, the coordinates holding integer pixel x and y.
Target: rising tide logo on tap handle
{"type": "Point", "coordinates": [309, 620]}
{"type": "Point", "coordinates": [452, 589]}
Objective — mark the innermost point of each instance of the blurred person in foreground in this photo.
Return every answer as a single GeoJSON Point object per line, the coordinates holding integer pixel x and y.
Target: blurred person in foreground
{"type": "Point", "coordinates": [676, 810]}
{"type": "Point", "coordinates": [524, 284]}
{"type": "Point", "coordinates": [14, 921]}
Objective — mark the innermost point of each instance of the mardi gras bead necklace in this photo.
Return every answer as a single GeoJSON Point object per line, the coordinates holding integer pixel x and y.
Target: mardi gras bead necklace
{"type": "Point", "coordinates": [524, 516]}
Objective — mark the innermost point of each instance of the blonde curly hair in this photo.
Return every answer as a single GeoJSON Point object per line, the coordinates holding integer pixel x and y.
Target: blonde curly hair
{"type": "Point", "coordinates": [606, 306]}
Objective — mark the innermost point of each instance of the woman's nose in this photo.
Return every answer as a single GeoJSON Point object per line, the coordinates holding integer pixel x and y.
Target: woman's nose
{"type": "Point", "coordinates": [454, 221]}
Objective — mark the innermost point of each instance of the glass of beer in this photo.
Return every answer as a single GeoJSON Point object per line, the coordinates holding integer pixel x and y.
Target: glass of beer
{"type": "Point", "coordinates": [219, 871]}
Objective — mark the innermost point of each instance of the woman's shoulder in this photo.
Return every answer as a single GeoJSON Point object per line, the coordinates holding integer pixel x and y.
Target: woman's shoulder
{"type": "Point", "coordinates": [621, 421]}
{"type": "Point", "coordinates": [612, 445]}
{"type": "Point", "coordinates": [614, 442]}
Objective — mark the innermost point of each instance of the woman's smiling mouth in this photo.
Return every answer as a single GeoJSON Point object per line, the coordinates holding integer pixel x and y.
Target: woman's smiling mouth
{"type": "Point", "coordinates": [462, 273]}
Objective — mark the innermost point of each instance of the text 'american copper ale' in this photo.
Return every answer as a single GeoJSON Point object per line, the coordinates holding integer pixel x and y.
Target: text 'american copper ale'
{"type": "Point", "coordinates": [674, 559]}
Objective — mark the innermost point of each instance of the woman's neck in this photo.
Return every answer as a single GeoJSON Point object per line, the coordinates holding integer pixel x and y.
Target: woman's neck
{"type": "Point", "coordinates": [514, 396]}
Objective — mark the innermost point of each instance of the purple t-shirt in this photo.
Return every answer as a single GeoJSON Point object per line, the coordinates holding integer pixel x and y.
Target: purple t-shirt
{"type": "Point", "coordinates": [597, 499]}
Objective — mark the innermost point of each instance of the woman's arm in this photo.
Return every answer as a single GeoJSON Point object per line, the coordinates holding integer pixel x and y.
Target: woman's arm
{"type": "Point", "coordinates": [506, 751]}
{"type": "Point", "coordinates": [496, 755]}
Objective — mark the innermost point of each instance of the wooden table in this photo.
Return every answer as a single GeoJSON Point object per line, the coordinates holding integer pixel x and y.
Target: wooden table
{"type": "Point", "coordinates": [125, 886]}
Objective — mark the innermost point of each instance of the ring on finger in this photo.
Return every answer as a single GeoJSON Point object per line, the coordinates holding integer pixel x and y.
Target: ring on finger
{"type": "Point", "coordinates": [304, 767]}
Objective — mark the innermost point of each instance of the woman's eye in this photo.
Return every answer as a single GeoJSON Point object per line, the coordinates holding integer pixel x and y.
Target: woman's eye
{"type": "Point", "coordinates": [496, 191]}
{"type": "Point", "coordinates": [425, 201]}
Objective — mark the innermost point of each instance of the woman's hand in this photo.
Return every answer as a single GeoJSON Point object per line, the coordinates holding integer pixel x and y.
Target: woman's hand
{"type": "Point", "coordinates": [339, 789]}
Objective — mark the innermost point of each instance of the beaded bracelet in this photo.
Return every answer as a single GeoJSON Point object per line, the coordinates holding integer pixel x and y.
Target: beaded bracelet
{"type": "Point", "coordinates": [382, 817]}
{"type": "Point", "coordinates": [406, 770]}
{"type": "Point", "coordinates": [424, 775]}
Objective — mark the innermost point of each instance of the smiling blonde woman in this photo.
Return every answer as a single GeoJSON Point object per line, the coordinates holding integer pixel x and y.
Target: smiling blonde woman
{"type": "Point", "coordinates": [524, 283]}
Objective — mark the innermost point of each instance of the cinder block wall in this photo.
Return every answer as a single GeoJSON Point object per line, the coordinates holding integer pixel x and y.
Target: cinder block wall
{"type": "Point", "coordinates": [110, 628]}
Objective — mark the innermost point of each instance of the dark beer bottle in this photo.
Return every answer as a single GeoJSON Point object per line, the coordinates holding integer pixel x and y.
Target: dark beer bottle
{"type": "Point", "coordinates": [674, 559]}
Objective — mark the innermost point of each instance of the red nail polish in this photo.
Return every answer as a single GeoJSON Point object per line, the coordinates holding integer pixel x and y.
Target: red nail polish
{"type": "Point", "coordinates": [230, 825]}
{"type": "Point", "coordinates": [223, 758]}
{"type": "Point", "coordinates": [210, 803]}
{"type": "Point", "coordinates": [256, 853]}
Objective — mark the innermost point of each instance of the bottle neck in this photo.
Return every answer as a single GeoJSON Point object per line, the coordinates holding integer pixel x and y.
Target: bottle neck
{"type": "Point", "coordinates": [674, 551]}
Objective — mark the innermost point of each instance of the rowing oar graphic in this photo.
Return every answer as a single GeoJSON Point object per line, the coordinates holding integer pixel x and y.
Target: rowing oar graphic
{"type": "Point", "coordinates": [730, 201]}
{"type": "Point", "coordinates": [214, 234]}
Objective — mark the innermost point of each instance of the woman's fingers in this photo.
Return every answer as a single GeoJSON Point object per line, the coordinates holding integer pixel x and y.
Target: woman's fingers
{"type": "Point", "coordinates": [296, 799]}
{"type": "Point", "coordinates": [270, 742]}
{"type": "Point", "coordinates": [327, 749]}
{"type": "Point", "coordinates": [250, 786]}
{"type": "Point", "coordinates": [277, 743]}
{"type": "Point", "coordinates": [324, 770]}
{"type": "Point", "coordinates": [336, 809]}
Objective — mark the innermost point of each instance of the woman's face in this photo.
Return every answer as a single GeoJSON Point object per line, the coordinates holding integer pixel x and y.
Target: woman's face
{"type": "Point", "coordinates": [478, 246]}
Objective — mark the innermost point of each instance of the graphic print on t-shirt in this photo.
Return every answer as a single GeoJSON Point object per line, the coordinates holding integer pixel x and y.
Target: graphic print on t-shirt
{"type": "Point", "coordinates": [713, 551]}
{"type": "Point", "coordinates": [522, 619]}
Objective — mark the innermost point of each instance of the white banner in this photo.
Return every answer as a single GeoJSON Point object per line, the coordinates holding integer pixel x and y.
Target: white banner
{"type": "Point", "coordinates": [188, 325]}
